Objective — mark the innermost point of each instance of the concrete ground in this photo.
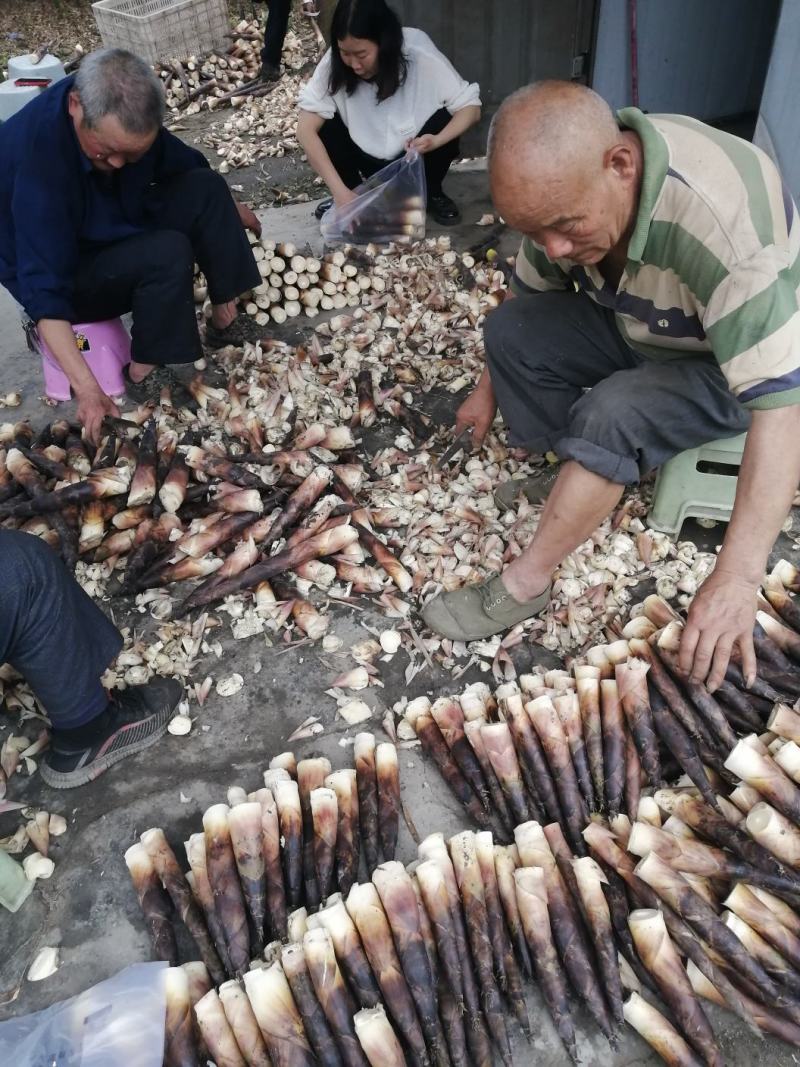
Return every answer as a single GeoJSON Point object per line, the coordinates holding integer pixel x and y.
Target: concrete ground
{"type": "Point", "coordinates": [88, 908]}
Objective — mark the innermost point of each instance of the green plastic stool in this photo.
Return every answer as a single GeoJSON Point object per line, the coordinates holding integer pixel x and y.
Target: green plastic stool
{"type": "Point", "coordinates": [683, 491]}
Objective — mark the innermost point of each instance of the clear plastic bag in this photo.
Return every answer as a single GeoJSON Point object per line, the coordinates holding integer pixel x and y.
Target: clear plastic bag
{"type": "Point", "coordinates": [389, 207]}
{"type": "Point", "coordinates": [120, 1021]}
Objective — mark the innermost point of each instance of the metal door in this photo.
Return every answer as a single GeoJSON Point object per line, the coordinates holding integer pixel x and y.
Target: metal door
{"type": "Point", "coordinates": [503, 44]}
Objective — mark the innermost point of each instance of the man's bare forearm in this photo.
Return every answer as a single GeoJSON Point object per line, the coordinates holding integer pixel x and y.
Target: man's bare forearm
{"type": "Point", "coordinates": [768, 480]}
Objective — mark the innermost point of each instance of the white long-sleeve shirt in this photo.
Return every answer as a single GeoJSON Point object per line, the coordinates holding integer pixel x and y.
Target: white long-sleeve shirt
{"type": "Point", "coordinates": [382, 127]}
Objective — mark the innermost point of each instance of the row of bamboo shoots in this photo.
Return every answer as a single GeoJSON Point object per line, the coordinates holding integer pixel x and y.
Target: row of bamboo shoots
{"type": "Point", "coordinates": [297, 284]}
{"type": "Point", "coordinates": [564, 744]}
{"type": "Point", "coordinates": [423, 964]}
{"type": "Point", "coordinates": [267, 858]}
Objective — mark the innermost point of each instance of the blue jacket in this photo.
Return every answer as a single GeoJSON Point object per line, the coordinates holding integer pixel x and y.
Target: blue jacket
{"type": "Point", "coordinates": [47, 200]}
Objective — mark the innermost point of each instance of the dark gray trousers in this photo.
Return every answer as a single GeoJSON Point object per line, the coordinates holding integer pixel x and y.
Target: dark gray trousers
{"type": "Point", "coordinates": [543, 351]}
{"type": "Point", "coordinates": [51, 632]}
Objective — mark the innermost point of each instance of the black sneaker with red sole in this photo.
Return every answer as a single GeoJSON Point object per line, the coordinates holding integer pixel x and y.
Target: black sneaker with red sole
{"type": "Point", "coordinates": [138, 717]}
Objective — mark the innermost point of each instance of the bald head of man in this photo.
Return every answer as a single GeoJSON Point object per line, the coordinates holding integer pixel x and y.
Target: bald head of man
{"type": "Point", "coordinates": [563, 173]}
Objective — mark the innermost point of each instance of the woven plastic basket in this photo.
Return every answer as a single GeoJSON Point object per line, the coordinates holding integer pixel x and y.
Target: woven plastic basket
{"type": "Point", "coordinates": [162, 29]}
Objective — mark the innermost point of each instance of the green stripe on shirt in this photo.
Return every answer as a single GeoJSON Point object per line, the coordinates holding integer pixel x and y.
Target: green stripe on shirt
{"type": "Point", "coordinates": [671, 247]}
{"type": "Point", "coordinates": [744, 158]}
{"type": "Point", "coordinates": [757, 318]}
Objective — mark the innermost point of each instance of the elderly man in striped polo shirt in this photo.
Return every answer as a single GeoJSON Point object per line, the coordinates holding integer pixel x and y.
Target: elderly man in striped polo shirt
{"type": "Point", "coordinates": [660, 270]}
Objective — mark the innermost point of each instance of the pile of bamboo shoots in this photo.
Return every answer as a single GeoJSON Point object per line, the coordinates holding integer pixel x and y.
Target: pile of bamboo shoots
{"type": "Point", "coordinates": [295, 284]}
{"type": "Point", "coordinates": [587, 754]}
{"type": "Point", "coordinates": [157, 508]}
{"type": "Point", "coordinates": [207, 81]}
{"type": "Point", "coordinates": [268, 858]}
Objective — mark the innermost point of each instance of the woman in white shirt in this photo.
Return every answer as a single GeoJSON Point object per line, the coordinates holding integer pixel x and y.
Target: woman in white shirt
{"type": "Point", "coordinates": [379, 90]}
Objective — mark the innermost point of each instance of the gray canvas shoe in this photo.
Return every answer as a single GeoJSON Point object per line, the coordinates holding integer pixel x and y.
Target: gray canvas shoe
{"type": "Point", "coordinates": [479, 610]}
{"type": "Point", "coordinates": [535, 488]}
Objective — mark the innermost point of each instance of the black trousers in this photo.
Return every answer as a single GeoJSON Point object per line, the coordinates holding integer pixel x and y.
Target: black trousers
{"type": "Point", "coordinates": [354, 164]}
{"type": "Point", "coordinates": [544, 350]}
{"type": "Point", "coordinates": [51, 632]}
{"type": "Point", "coordinates": [275, 32]}
{"type": "Point", "coordinates": [150, 274]}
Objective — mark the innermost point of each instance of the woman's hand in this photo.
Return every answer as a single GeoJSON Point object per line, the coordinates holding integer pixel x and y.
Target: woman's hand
{"type": "Point", "coordinates": [426, 143]}
{"type": "Point", "coordinates": [343, 198]}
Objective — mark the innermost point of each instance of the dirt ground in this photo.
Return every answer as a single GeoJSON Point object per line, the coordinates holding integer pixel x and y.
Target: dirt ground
{"type": "Point", "coordinates": [87, 909]}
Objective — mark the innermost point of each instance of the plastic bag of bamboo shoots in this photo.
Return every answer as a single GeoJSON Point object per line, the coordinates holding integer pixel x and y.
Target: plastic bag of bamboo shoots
{"type": "Point", "coordinates": [388, 207]}
{"type": "Point", "coordinates": [120, 1021]}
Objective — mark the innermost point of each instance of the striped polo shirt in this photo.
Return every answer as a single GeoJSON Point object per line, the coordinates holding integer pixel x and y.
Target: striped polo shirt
{"type": "Point", "coordinates": [713, 264]}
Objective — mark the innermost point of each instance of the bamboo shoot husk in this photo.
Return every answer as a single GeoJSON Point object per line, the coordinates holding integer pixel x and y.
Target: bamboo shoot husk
{"type": "Point", "coordinates": [775, 832]}
{"type": "Point", "coordinates": [378, 1039]}
{"type": "Point", "coordinates": [675, 891]}
{"type": "Point", "coordinates": [437, 905]}
{"type": "Point", "coordinates": [224, 880]}
{"type": "Point", "coordinates": [180, 1047]}
{"type": "Point", "coordinates": [472, 731]}
{"type": "Point", "coordinates": [505, 964]}
{"type": "Point", "coordinates": [468, 876]}
{"type": "Point", "coordinates": [173, 880]}
{"type": "Point", "coordinates": [396, 892]}
{"type": "Point", "coordinates": [449, 717]}
{"type": "Point", "coordinates": [680, 744]}
{"type": "Point", "coordinates": [765, 775]}
{"type": "Point", "coordinates": [532, 902]}
{"type": "Point", "coordinates": [388, 777]}
{"type": "Point", "coordinates": [273, 867]}
{"type": "Point", "coordinates": [785, 914]}
{"type": "Point", "coordinates": [433, 848]}
{"type": "Point", "coordinates": [660, 957]}
{"type": "Point", "coordinates": [418, 715]}
{"type": "Point", "coordinates": [367, 788]}
{"type": "Point", "coordinates": [239, 1014]}
{"type": "Point", "coordinates": [602, 843]}
{"type": "Point", "coordinates": [590, 880]}
{"type": "Point", "coordinates": [565, 921]}
{"type": "Point", "coordinates": [661, 1035]}
{"type": "Point", "coordinates": [785, 722]}
{"type": "Point", "coordinates": [316, 1025]}
{"type": "Point", "coordinates": [216, 1031]}
{"type": "Point", "coordinates": [325, 816]}
{"type": "Point", "coordinates": [343, 784]}
{"type": "Point", "coordinates": [613, 732]}
{"type": "Point", "coordinates": [366, 911]}
{"type": "Point", "coordinates": [556, 748]}
{"type": "Point", "coordinates": [769, 1022]}
{"type": "Point", "coordinates": [244, 821]}
{"type": "Point", "coordinates": [350, 952]}
{"type": "Point", "coordinates": [770, 959]}
{"type": "Point", "coordinates": [278, 1018]}
{"type": "Point", "coordinates": [505, 865]}
{"type": "Point", "coordinates": [716, 828]}
{"type": "Point", "coordinates": [569, 713]}
{"type": "Point", "coordinates": [204, 895]}
{"type": "Point", "coordinates": [497, 739]}
{"type": "Point", "coordinates": [588, 689]}
{"type": "Point", "coordinates": [631, 678]}
{"type": "Point", "coordinates": [332, 995]}
{"type": "Point", "coordinates": [290, 815]}
{"type": "Point", "coordinates": [154, 902]}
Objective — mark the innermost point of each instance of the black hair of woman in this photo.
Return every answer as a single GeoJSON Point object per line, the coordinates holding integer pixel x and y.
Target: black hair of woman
{"type": "Point", "coordinates": [371, 20]}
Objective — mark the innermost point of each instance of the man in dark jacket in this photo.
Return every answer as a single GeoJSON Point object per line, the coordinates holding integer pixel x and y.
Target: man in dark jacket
{"type": "Point", "coordinates": [102, 211]}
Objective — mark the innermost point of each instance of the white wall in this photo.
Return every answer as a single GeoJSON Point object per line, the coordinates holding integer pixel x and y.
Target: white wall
{"type": "Point", "coordinates": [697, 57]}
